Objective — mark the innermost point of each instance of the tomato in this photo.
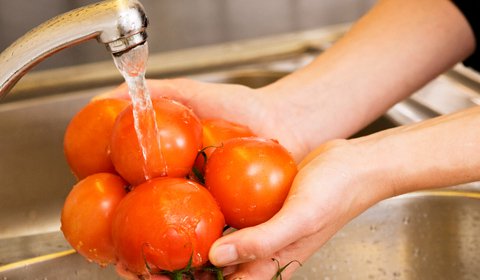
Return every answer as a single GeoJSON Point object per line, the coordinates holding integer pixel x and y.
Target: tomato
{"type": "Point", "coordinates": [165, 222]}
{"type": "Point", "coordinates": [88, 213]}
{"type": "Point", "coordinates": [250, 178]}
{"type": "Point", "coordinates": [180, 137]}
{"type": "Point", "coordinates": [87, 137]}
{"type": "Point", "coordinates": [215, 132]}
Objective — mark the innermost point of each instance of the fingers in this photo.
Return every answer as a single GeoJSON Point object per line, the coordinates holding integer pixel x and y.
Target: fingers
{"type": "Point", "coordinates": [321, 195]}
{"type": "Point", "coordinates": [119, 92]}
{"type": "Point", "coordinates": [292, 256]}
{"type": "Point", "coordinates": [175, 88]}
{"type": "Point", "coordinates": [254, 243]}
{"type": "Point", "coordinates": [295, 220]}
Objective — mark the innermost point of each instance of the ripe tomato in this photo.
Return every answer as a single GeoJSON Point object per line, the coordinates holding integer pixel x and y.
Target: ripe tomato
{"type": "Point", "coordinates": [165, 222]}
{"type": "Point", "coordinates": [250, 178]}
{"type": "Point", "coordinates": [180, 135]}
{"type": "Point", "coordinates": [88, 213]}
{"type": "Point", "coordinates": [215, 132]}
{"type": "Point", "coordinates": [87, 137]}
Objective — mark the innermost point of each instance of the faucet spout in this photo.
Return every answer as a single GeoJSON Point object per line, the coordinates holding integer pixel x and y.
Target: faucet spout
{"type": "Point", "coordinates": [119, 24]}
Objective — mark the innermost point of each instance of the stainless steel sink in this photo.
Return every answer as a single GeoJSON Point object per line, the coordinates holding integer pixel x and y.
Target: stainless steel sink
{"type": "Point", "coordinates": [427, 235]}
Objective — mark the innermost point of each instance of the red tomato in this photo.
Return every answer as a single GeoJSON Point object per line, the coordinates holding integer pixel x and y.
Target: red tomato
{"type": "Point", "coordinates": [165, 222]}
{"type": "Point", "coordinates": [250, 178]}
{"type": "Point", "coordinates": [215, 132]}
{"type": "Point", "coordinates": [87, 137]}
{"type": "Point", "coordinates": [180, 135]}
{"type": "Point", "coordinates": [88, 213]}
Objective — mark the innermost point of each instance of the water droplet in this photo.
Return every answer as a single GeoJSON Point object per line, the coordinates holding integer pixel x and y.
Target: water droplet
{"type": "Point", "coordinates": [252, 207]}
{"type": "Point", "coordinates": [406, 220]}
{"type": "Point", "coordinates": [186, 116]}
{"type": "Point", "coordinates": [198, 257]}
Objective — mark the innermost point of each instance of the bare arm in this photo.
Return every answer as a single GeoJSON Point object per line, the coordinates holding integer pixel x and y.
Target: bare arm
{"type": "Point", "coordinates": [392, 51]}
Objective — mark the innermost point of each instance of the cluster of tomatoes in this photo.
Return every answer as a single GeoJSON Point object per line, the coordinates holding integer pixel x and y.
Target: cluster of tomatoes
{"type": "Point", "coordinates": [164, 213]}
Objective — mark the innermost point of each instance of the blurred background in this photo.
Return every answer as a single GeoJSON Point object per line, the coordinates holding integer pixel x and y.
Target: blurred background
{"type": "Point", "coordinates": [178, 24]}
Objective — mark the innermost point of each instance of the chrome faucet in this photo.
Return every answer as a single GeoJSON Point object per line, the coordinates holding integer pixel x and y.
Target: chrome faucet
{"type": "Point", "coordinates": [119, 24]}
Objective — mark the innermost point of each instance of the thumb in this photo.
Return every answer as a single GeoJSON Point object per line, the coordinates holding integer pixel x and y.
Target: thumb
{"type": "Point", "coordinates": [288, 225]}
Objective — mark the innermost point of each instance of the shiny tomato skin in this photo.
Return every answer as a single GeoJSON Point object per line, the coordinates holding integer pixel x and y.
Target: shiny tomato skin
{"type": "Point", "coordinates": [180, 133]}
{"type": "Point", "coordinates": [87, 216]}
{"type": "Point", "coordinates": [250, 179]}
{"type": "Point", "coordinates": [215, 132]}
{"type": "Point", "coordinates": [87, 137]}
{"type": "Point", "coordinates": [166, 221]}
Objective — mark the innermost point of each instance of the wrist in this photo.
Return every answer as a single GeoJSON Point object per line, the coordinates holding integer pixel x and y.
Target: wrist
{"type": "Point", "coordinates": [351, 173]}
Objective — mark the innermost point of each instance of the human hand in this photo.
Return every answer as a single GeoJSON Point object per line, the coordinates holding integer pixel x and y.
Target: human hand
{"type": "Point", "coordinates": [257, 109]}
{"type": "Point", "coordinates": [325, 195]}
{"type": "Point", "coordinates": [332, 187]}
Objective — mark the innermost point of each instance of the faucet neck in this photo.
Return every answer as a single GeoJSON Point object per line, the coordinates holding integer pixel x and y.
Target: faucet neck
{"type": "Point", "coordinates": [120, 24]}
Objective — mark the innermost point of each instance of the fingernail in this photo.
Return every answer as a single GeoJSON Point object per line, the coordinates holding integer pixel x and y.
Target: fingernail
{"type": "Point", "coordinates": [229, 270]}
{"type": "Point", "coordinates": [225, 254]}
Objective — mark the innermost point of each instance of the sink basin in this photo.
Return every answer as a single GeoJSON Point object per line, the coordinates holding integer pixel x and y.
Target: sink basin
{"type": "Point", "coordinates": [429, 235]}
{"type": "Point", "coordinates": [424, 235]}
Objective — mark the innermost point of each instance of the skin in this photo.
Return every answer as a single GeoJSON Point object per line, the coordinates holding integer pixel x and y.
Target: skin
{"type": "Point", "coordinates": [391, 52]}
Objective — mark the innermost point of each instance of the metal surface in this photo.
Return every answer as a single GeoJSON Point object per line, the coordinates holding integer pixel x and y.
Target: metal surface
{"type": "Point", "coordinates": [418, 236]}
{"type": "Point", "coordinates": [431, 235]}
{"type": "Point", "coordinates": [120, 24]}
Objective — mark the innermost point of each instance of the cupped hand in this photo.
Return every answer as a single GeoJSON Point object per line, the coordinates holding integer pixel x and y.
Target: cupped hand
{"type": "Point", "coordinates": [255, 108]}
{"type": "Point", "coordinates": [332, 187]}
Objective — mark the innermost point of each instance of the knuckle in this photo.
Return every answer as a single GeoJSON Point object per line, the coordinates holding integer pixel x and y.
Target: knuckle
{"type": "Point", "coordinates": [256, 247]}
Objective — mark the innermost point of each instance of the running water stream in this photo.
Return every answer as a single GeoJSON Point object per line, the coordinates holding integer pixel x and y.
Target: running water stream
{"type": "Point", "coordinates": [132, 66]}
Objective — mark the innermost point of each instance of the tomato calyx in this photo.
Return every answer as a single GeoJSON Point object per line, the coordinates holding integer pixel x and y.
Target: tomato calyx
{"type": "Point", "coordinates": [197, 174]}
{"type": "Point", "coordinates": [278, 274]}
{"type": "Point", "coordinates": [188, 272]}
{"type": "Point", "coordinates": [181, 274]}
{"type": "Point", "coordinates": [214, 270]}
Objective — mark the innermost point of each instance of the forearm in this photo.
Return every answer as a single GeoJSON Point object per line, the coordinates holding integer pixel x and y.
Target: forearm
{"type": "Point", "coordinates": [440, 152]}
{"type": "Point", "coordinates": [411, 41]}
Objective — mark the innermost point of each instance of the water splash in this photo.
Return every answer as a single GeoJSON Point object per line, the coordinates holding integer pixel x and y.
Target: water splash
{"type": "Point", "coordinates": [132, 66]}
